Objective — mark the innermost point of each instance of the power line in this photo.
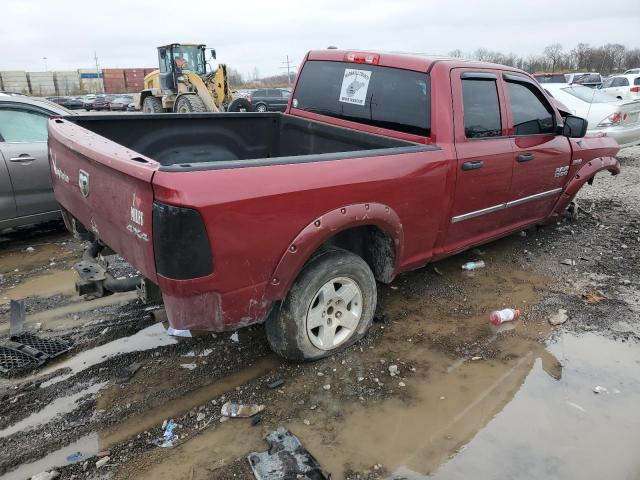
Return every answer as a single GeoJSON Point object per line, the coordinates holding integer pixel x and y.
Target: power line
{"type": "Point", "coordinates": [288, 67]}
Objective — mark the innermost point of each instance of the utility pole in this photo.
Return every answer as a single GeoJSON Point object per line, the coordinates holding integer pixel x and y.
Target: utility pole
{"type": "Point", "coordinates": [95, 58]}
{"type": "Point", "coordinates": [288, 67]}
{"type": "Point", "coordinates": [45, 63]}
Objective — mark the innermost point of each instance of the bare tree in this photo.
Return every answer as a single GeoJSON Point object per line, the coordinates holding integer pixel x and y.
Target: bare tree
{"type": "Point", "coordinates": [554, 55]}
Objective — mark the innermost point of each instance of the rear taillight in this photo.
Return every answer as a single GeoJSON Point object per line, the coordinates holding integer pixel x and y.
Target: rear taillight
{"type": "Point", "coordinates": [613, 119]}
{"type": "Point", "coordinates": [635, 89]}
{"type": "Point", "coordinates": [360, 57]}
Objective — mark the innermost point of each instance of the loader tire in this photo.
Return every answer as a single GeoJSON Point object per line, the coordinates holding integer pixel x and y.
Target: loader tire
{"type": "Point", "coordinates": [152, 105]}
{"type": "Point", "coordinates": [190, 104]}
{"type": "Point", "coordinates": [329, 307]}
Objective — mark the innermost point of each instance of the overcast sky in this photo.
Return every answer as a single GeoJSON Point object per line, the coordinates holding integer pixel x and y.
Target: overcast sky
{"type": "Point", "coordinates": [248, 34]}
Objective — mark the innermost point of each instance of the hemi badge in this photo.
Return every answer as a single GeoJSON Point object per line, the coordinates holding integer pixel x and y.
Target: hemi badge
{"type": "Point", "coordinates": [577, 161]}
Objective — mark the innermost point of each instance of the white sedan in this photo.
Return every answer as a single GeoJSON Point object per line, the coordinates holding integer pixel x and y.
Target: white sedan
{"type": "Point", "coordinates": [619, 119]}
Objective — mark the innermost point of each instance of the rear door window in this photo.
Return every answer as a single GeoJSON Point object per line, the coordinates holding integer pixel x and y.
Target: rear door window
{"type": "Point", "coordinates": [371, 94]}
{"type": "Point", "coordinates": [531, 114]}
{"type": "Point", "coordinates": [481, 108]}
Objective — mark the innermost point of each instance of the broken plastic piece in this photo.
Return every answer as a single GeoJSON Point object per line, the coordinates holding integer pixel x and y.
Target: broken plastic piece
{"type": "Point", "coordinates": [238, 410]}
{"type": "Point", "coordinates": [178, 333]}
{"type": "Point", "coordinates": [285, 459]}
{"type": "Point", "coordinates": [473, 265]}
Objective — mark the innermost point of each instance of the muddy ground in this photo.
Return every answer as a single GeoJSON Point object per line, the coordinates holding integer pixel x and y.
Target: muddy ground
{"type": "Point", "coordinates": [468, 401]}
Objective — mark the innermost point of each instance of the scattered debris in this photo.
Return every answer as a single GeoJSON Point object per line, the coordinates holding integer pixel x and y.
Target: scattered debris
{"type": "Point", "coordinates": [437, 271]}
{"type": "Point", "coordinates": [393, 370]}
{"type": "Point", "coordinates": [593, 298]}
{"type": "Point", "coordinates": [75, 457]}
{"type": "Point", "coordinates": [473, 265]}
{"type": "Point", "coordinates": [568, 261]}
{"type": "Point", "coordinates": [275, 384]}
{"type": "Point", "coordinates": [498, 317]}
{"type": "Point", "coordinates": [189, 366]}
{"type": "Point", "coordinates": [128, 372]}
{"type": "Point", "coordinates": [255, 420]}
{"type": "Point", "coordinates": [46, 475]}
{"type": "Point", "coordinates": [168, 436]}
{"type": "Point", "coordinates": [559, 318]}
{"type": "Point", "coordinates": [476, 358]}
{"type": "Point", "coordinates": [234, 337]}
{"type": "Point", "coordinates": [327, 386]}
{"type": "Point", "coordinates": [384, 318]}
{"type": "Point", "coordinates": [238, 410]}
{"type": "Point", "coordinates": [285, 459]}
{"type": "Point", "coordinates": [29, 249]}
{"type": "Point", "coordinates": [102, 462]}
{"type": "Point", "coordinates": [599, 389]}
{"type": "Point", "coordinates": [200, 416]}
{"type": "Point", "coordinates": [17, 318]}
{"type": "Point", "coordinates": [402, 384]}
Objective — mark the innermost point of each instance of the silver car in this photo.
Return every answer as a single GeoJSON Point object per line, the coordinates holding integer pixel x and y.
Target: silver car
{"type": "Point", "coordinates": [26, 194]}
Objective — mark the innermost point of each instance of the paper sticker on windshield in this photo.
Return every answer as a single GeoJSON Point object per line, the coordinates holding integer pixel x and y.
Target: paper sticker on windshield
{"type": "Point", "coordinates": [354, 86]}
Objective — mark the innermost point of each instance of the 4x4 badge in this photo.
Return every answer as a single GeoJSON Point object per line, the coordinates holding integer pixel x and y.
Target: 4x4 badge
{"type": "Point", "coordinates": [83, 182]}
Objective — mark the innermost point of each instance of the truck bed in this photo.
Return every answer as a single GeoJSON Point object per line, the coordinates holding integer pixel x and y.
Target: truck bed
{"type": "Point", "coordinates": [232, 140]}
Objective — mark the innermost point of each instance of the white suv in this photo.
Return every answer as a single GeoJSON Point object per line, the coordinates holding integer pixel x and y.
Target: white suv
{"type": "Point", "coordinates": [623, 87]}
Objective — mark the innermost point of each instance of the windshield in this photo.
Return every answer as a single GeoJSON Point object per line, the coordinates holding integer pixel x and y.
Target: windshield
{"type": "Point", "coordinates": [589, 95]}
{"type": "Point", "coordinates": [189, 58]}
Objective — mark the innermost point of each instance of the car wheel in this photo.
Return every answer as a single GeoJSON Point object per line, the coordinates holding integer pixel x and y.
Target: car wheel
{"type": "Point", "coordinates": [152, 105]}
{"type": "Point", "coordinates": [261, 107]}
{"type": "Point", "coordinates": [239, 104]}
{"type": "Point", "coordinates": [329, 307]}
{"type": "Point", "coordinates": [189, 104]}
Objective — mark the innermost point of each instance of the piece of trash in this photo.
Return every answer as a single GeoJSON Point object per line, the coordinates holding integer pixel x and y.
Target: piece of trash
{"type": "Point", "coordinates": [593, 298]}
{"type": "Point", "coordinates": [393, 370]}
{"type": "Point", "coordinates": [127, 372]}
{"type": "Point", "coordinates": [568, 261]}
{"type": "Point", "coordinates": [498, 317]}
{"type": "Point", "coordinates": [473, 265]}
{"type": "Point", "coordinates": [559, 318]}
{"type": "Point", "coordinates": [75, 457]}
{"type": "Point", "coordinates": [475, 359]}
{"type": "Point", "coordinates": [29, 249]}
{"type": "Point", "coordinates": [200, 417]}
{"type": "Point", "coordinates": [285, 459]}
{"type": "Point", "coordinates": [189, 366]}
{"type": "Point", "coordinates": [599, 389]}
{"type": "Point", "coordinates": [103, 461]}
{"type": "Point", "coordinates": [437, 271]}
{"type": "Point", "coordinates": [238, 410]}
{"type": "Point", "coordinates": [402, 384]}
{"type": "Point", "coordinates": [327, 386]}
{"type": "Point", "coordinates": [576, 406]}
{"type": "Point", "coordinates": [255, 420]}
{"type": "Point", "coordinates": [17, 317]}
{"type": "Point", "coordinates": [306, 421]}
{"type": "Point", "coordinates": [234, 337]}
{"type": "Point", "coordinates": [393, 287]}
{"type": "Point", "coordinates": [168, 436]}
{"type": "Point", "coordinates": [46, 475]}
{"type": "Point", "coordinates": [178, 333]}
{"type": "Point", "coordinates": [275, 384]}
{"type": "Point", "coordinates": [103, 453]}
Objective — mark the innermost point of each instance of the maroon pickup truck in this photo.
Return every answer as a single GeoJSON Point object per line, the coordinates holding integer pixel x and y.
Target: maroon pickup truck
{"type": "Point", "coordinates": [380, 164]}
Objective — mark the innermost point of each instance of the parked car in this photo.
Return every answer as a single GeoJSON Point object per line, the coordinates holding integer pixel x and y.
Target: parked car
{"type": "Point", "coordinates": [550, 77]}
{"type": "Point", "coordinates": [588, 79]}
{"type": "Point", "coordinates": [70, 103]}
{"type": "Point", "coordinates": [619, 119]}
{"type": "Point", "coordinates": [102, 102]}
{"type": "Point", "coordinates": [633, 71]}
{"type": "Point", "coordinates": [121, 103]}
{"type": "Point", "coordinates": [622, 87]}
{"type": "Point", "coordinates": [132, 107]}
{"type": "Point", "coordinates": [268, 99]}
{"type": "Point", "coordinates": [88, 100]}
{"type": "Point", "coordinates": [290, 218]}
{"type": "Point", "coordinates": [26, 194]}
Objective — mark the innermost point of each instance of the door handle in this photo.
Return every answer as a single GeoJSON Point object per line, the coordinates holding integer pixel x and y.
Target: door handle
{"type": "Point", "coordinates": [525, 157]}
{"type": "Point", "coordinates": [22, 158]}
{"type": "Point", "coordinates": [473, 165]}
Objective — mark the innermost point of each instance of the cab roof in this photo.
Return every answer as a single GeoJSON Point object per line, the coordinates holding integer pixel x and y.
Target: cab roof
{"type": "Point", "coordinates": [408, 61]}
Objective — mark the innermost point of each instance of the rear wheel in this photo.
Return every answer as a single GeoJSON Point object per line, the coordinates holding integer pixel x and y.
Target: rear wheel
{"type": "Point", "coordinates": [190, 104]}
{"type": "Point", "coordinates": [329, 307]}
{"type": "Point", "coordinates": [261, 107]}
{"type": "Point", "coordinates": [152, 105]}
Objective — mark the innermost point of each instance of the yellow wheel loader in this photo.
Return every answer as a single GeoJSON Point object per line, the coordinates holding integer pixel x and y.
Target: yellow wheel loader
{"type": "Point", "coordinates": [182, 84]}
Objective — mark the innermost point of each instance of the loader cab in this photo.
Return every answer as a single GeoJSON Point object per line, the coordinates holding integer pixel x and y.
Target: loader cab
{"type": "Point", "coordinates": [176, 58]}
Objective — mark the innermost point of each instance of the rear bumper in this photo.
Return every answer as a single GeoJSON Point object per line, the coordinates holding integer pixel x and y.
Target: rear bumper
{"type": "Point", "coordinates": [188, 309]}
{"type": "Point", "coordinates": [625, 136]}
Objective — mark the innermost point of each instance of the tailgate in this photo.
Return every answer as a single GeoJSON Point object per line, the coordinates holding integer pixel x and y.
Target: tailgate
{"type": "Point", "coordinates": [107, 188]}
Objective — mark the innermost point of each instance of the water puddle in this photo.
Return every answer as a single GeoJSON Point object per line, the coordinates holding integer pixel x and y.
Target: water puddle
{"type": "Point", "coordinates": [60, 282]}
{"type": "Point", "coordinates": [87, 445]}
{"type": "Point", "coordinates": [146, 339]}
{"type": "Point", "coordinates": [155, 416]}
{"type": "Point", "coordinates": [59, 406]}
{"type": "Point", "coordinates": [41, 255]}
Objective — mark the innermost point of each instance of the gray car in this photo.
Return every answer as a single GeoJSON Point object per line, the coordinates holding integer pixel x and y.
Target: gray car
{"type": "Point", "coordinates": [26, 194]}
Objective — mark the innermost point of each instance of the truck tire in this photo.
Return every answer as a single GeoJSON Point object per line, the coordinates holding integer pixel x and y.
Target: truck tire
{"type": "Point", "coordinates": [329, 307]}
{"type": "Point", "coordinates": [152, 105]}
{"type": "Point", "coordinates": [190, 104]}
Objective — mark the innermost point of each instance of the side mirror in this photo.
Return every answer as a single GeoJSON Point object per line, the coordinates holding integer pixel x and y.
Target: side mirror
{"type": "Point", "coordinates": [574, 127]}
{"type": "Point", "coordinates": [213, 53]}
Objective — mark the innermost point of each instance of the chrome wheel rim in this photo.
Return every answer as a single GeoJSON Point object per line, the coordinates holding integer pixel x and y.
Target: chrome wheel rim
{"type": "Point", "coordinates": [334, 313]}
{"type": "Point", "coordinates": [261, 108]}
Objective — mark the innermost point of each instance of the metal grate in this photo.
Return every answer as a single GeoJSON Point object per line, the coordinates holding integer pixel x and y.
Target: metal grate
{"type": "Point", "coordinates": [15, 360]}
{"type": "Point", "coordinates": [51, 348]}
